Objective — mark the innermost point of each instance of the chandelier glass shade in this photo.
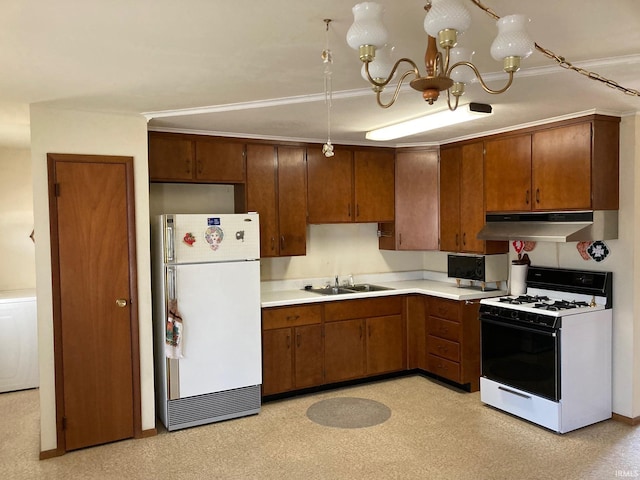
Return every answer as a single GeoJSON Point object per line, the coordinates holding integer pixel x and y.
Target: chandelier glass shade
{"type": "Point", "coordinates": [450, 69]}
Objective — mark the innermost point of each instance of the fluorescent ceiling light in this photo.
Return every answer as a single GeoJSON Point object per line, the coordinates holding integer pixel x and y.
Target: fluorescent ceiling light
{"type": "Point", "coordinates": [444, 118]}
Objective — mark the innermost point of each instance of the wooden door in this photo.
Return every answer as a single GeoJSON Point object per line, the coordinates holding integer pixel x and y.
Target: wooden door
{"type": "Point", "coordinates": [450, 160]}
{"type": "Point", "coordinates": [261, 195]}
{"type": "Point", "coordinates": [562, 168]}
{"type": "Point", "coordinates": [344, 350]}
{"type": "Point", "coordinates": [385, 344]}
{"type": "Point", "coordinates": [292, 201]}
{"type": "Point", "coordinates": [277, 361]}
{"type": "Point", "coordinates": [95, 326]}
{"type": "Point", "coordinates": [329, 186]}
{"type": "Point", "coordinates": [374, 185]}
{"type": "Point", "coordinates": [507, 174]}
{"type": "Point", "coordinates": [472, 193]}
{"type": "Point", "coordinates": [308, 356]}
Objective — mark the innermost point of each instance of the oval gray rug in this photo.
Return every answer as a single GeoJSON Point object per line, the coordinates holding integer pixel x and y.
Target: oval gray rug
{"type": "Point", "coordinates": [348, 412]}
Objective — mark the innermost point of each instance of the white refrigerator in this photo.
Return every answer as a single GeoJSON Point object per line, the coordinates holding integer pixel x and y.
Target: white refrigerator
{"type": "Point", "coordinates": [206, 301]}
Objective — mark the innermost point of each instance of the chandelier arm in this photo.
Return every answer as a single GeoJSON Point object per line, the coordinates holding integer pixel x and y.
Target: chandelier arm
{"type": "Point", "coordinates": [457, 97]}
{"type": "Point", "coordinates": [479, 77]}
{"type": "Point", "coordinates": [386, 82]}
{"type": "Point", "coordinates": [397, 91]}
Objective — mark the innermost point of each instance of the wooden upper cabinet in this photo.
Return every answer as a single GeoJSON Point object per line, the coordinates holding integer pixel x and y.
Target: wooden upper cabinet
{"type": "Point", "coordinates": [189, 158]}
{"type": "Point", "coordinates": [561, 173]}
{"type": "Point", "coordinates": [329, 186]}
{"type": "Point", "coordinates": [276, 189]}
{"type": "Point", "coordinates": [571, 165]}
{"type": "Point", "coordinates": [262, 195]}
{"type": "Point", "coordinates": [416, 197]}
{"type": "Point", "coordinates": [170, 158]}
{"type": "Point", "coordinates": [351, 186]}
{"type": "Point", "coordinates": [220, 162]}
{"type": "Point", "coordinates": [462, 213]}
{"type": "Point", "coordinates": [374, 185]}
{"type": "Point", "coordinates": [507, 174]}
{"type": "Point", "coordinates": [472, 216]}
{"type": "Point", "coordinates": [292, 200]}
{"type": "Point", "coordinates": [450, 162]}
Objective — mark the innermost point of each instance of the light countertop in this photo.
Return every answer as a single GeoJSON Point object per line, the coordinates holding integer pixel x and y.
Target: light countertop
{"type": "Point", "coordinates": [278, 298]}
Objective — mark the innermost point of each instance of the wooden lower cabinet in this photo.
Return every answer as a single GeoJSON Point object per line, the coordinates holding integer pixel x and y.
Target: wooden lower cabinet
{"type": "Point", "coordinates": [311, 345]}
{"type": "Point", "coordinates": [385, 345]}
{"type": "Point", "coordinates": [344, 350]}
{"type": "Point", "coordinates": [453, 341]}
{"type": "Point", "coordinates": [292, 348]}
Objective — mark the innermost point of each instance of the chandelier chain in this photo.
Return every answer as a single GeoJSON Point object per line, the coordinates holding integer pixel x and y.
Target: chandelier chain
{"type": "Point", "coordinates": [564, 63]}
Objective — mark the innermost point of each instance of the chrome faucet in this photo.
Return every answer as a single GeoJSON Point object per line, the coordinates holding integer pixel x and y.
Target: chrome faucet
{"type": "Point", "coordinates": [337, 284]}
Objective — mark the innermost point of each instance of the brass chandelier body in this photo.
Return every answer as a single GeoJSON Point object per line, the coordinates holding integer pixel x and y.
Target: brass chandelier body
{"type": "Point", "coordinates": [438, 67]}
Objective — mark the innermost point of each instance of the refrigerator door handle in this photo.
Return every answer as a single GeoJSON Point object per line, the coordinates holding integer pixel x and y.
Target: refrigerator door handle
{"type": "Point", "coordinates": [170, 245]}
{"type": "Point", "coordinates": [171, 283]}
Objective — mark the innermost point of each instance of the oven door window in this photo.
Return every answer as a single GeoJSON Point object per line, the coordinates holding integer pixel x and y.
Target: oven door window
{"type": "Point", "coordinates": [522, 357]}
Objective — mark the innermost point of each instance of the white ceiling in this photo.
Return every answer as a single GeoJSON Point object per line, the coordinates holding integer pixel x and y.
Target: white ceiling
{"type": "Point", "coordinates": [250, 68]}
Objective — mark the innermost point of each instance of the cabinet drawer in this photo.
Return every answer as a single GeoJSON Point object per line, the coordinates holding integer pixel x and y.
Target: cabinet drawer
{"type": "Point", "coordinates": [444, 368]}
{"type": "Point", "coordinates": [364, 308]}
{"type": "Point", "coordinates": [281, 317]}
{"type": "Point", "coordinates": [443, 328]}
{"type": "Point", "coordinates": [443, 308]}
{"type": "Point", "coordinates": [443, 348]}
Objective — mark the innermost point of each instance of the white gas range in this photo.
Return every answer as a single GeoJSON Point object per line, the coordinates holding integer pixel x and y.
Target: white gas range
{"type": "Point", "coordinates": [546, 355]}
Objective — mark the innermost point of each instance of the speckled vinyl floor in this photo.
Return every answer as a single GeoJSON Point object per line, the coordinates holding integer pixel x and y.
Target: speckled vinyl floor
{"type": "Point", "coordinates": [434, 432]}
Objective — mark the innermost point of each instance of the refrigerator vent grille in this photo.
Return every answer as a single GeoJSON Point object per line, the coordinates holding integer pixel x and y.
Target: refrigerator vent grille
{"type": "Point", "coordinates": [213, 407]}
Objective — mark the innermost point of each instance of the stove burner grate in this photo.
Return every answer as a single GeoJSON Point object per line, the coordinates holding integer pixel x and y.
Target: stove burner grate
{"type": "Point", "coordinates": [523, 299]}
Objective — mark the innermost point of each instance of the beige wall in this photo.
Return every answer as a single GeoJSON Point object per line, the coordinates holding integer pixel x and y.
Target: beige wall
{"type": "Point", "coordinates": [340, 249]}
{"type": "Point", "coordinates": [17, 252]}
{"type": "Point", "coordinates": [66, 131]}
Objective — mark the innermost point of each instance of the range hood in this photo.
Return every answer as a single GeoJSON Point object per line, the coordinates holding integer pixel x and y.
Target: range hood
{"type": "Point", "coordinates": [551, 226]}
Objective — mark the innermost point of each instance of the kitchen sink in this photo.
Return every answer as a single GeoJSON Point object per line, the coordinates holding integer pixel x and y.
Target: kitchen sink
{"type": "Point", "coordinates": [367, 287]}
{"type": "Point", "coordinates": [363, 287]}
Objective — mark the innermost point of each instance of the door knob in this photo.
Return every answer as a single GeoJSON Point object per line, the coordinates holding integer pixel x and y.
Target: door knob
{"type": "Point", "coordinates": [121, 302]}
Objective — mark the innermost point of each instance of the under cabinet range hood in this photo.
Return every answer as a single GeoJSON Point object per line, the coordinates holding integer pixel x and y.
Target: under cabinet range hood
{"type": "Point", "coordinates": [581, 226]}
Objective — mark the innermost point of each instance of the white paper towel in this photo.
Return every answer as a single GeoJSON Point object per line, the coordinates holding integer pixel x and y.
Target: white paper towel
{"type": "Point", "coordinates": [518, 279]}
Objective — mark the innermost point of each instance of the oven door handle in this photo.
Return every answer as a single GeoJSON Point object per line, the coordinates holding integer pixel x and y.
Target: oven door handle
{"type": "Point", "coordinates": [518, 327]}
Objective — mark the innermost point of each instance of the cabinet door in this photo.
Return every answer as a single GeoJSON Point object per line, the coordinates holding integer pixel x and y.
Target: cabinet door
{"type": "Point", "coordinates": [292, 201]}
{"type": "Point", "coordinates": [416, 221]}
{"type": "Point", "coordinates": [308, 356]}
{"type": "Point", "coordinates": [170, 158]}
{"type": "Point", "coordinates": [262, 195]}
{"type": "Point", "coordinates": [562, 168]}
{"type": "Point", "coordinates": [344, 350]}
{"type": "Point", "coordinates": [329, 186]}
{"type": "Point", "coordinates": [450, 160]}
{"type": "Point", "coordinates": [374, 185]}
{"type": "Point", "coordinates": [385, 344]}
{"type": "Point", "coordinates": [277, 361]}
{"type": "Point", "coordinates": [220, 162]}
{"type": "Point", "coordinates": [507, 174]}
{"type": "Point", "coordinates": [472, 204]}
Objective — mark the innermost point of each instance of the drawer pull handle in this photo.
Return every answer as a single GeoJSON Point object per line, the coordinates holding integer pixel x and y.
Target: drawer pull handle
{"type": "Point", "coordinates": [291, 318]}
{"type": "Point", "coordinates": [508, 390]}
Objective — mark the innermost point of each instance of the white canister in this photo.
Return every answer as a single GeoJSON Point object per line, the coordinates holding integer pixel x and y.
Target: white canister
{"type": "Point", "coordinates": [518, 284]}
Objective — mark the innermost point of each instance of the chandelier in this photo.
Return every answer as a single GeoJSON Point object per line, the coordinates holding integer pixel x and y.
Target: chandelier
{"type": "Point", "coordinates": [445, 20]}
